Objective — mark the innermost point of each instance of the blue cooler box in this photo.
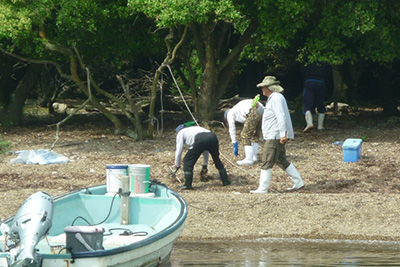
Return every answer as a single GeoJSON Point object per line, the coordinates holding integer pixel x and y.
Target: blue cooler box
{"type": "Point", "coordinates": [352, 150]}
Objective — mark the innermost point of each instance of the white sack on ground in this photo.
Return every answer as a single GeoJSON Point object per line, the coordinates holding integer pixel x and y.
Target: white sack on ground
{"type": "Point", "coordinates": [41, 156]}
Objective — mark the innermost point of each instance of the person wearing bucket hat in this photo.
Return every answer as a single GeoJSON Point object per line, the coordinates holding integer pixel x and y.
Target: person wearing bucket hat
{"type": "Point", "coordinates": [277, 129]}
{"type": "Point", "coordinates": [248, 112]}
{"type": "Point", "coordinates": [200, 142]}
{"type": "Point", "coordinates": [271, 83]}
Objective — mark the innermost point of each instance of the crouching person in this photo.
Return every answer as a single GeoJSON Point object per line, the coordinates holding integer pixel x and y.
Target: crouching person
{"type": "Point", "coordinates": [248, 112]}
{"type": "Point", "coordinates": [277, 130]}
{"type": "Point", "coordinates": [200, 142]}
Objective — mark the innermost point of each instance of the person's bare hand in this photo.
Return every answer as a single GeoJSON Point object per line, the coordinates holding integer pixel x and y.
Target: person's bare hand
{"type": "Point", "coordinates": [283, 140]}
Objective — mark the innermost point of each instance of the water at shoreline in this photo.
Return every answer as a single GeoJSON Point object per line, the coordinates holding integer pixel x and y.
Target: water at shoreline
{"type": "Point", "coordinates": [285, 252]}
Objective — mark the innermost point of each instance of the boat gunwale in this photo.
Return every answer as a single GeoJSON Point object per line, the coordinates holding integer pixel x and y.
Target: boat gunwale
{"type": "Point", "coordinates": [175, 225]}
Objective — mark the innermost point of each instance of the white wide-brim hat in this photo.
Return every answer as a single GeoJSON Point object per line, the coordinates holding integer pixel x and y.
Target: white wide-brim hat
{"type": "Point", "coordinates": [272, 83]}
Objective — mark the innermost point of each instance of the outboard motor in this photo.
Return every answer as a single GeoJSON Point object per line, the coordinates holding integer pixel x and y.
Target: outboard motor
{"type": "Point", "coordinates": [32, 221]}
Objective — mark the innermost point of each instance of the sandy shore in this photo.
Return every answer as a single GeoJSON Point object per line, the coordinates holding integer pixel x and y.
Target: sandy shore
{"type": "Point", "coordinates": [341, 200]}
{"type": "Point", "coordinates": [355, 216]}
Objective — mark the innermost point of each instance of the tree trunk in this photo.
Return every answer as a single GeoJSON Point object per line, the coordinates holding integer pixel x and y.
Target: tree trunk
{"type": "Point", "coordinates": [355, 72]}
{"type": "Point", "coordinates": [339, 87]}
{"type": "Point", "coordinates": [218, 59]}
{"type": "Point", "coordinates": [153, 97]}
{"type": "Point", "coordinates": [13, 112]}
{"type": "Point", "coordinates": [7, 83]}
{"type": "Point", "coordinates": [208, 100]}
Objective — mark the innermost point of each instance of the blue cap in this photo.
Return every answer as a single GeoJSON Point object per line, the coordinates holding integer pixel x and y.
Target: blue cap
{"type": "Point", "coordinates": [180, 127]}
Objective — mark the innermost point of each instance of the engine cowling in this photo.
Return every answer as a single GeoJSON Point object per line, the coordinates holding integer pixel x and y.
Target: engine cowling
{"type": "Point", "coordinates": [32, 221]}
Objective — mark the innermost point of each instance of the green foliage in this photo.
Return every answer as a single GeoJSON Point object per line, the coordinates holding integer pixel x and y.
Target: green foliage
{"type": "Point", "coordinates": [281, 32]}
{"type": "Point", "coordinates": [4, 145]}
{"type": "Point", "coordinates": [111, 35]}
{"type": "Point", "coordinates": [19, 24]}
{"type": "Point", "coordinates": [169, 13]}
{"type": "Point", "coordinates": [103, 32]}
{"type": "Point", "coordinates": [109, 39]}
{"type": "Point", "coordinates": [334, 31]}
{"type": "Point", "coordinates": [355, 30]}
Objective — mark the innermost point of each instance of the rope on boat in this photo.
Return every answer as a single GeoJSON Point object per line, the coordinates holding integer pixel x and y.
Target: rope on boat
{"type": "Point", "coordinates": [127, 232]}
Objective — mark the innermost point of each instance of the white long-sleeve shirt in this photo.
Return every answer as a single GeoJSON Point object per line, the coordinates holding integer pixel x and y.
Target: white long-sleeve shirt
{"type": "Point", "coordinates": [276, 121]}
{"type": "Point", "coordinates": [186, 137]}
{"type": "Point", "coordinates": [239, 114]}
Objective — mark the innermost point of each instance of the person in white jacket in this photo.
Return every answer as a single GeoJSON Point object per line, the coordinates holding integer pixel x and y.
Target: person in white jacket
{"type": "Point", "coordinates": [277, 129]}
{"type": "Point", "coordinates": [248, 112]}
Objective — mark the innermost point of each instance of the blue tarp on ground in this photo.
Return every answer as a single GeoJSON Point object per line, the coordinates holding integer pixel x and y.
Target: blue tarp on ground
{"type": "Point", "coordinates": [41, 156]}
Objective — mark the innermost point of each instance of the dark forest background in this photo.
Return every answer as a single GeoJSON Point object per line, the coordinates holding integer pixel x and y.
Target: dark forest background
{"type": "Point", "coordinates": [131, 60]}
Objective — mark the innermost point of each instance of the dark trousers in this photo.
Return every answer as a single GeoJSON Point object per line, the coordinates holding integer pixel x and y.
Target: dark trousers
{"type": "Point", "coordinates": [313, 96]}
{"type": "Point", "coordinates": [202, 141]}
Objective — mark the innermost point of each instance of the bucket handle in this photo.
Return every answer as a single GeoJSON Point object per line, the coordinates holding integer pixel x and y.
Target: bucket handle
{"type": "Point", "coordinates": [79, 237]}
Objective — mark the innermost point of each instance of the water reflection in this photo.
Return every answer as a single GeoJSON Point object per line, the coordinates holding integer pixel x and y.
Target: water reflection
{"type": "Point", "coordinates": [285, 252]}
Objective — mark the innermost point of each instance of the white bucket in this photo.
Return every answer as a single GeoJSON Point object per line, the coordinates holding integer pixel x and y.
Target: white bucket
{"type": "Point", "coordinates": [114, 177]}
{"type": "Point", "coordinates": [139, 176]}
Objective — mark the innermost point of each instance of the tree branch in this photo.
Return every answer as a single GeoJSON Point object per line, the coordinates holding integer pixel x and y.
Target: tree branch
{"type": "Point", "coordinates": [198, 40]}
{"type": "Point", "coordinates": [244, 40]}
{"type": "Point", "coordinates": [38, 61]}
{"type": "Point", "coordinates": [58, 124]}
{"type": "Point", "coordinates": [178, 45]}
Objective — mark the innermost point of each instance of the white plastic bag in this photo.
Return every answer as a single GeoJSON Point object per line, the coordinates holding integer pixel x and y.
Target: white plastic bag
{"type": "Point", "coordinates": [41, 156]}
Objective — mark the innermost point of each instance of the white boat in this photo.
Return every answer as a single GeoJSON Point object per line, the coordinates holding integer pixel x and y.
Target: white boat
{"type": "Point", "coordinates": [90, 227]}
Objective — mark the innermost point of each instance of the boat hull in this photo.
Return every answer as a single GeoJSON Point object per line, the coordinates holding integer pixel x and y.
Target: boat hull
{"type": "Point", "coordinates": [161, 216]}
{"type": "Point", "coordinates": [151, 255]}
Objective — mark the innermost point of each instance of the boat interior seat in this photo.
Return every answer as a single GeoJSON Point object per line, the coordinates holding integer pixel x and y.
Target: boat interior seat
{"type": "Point", "coordinates": [108, 241]}
{"type": "Point", "coordinates": [57, 240]}
{"type": "Point", "coordinates": [117, 240]}
{"type": "Point", "coordinates": [114, 240]}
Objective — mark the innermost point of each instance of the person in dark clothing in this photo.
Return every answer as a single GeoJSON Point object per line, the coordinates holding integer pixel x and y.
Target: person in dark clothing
{"type": "Point", "coordinates": [200, 142]}
{"type": "Point", "coordinates": [315, 78]}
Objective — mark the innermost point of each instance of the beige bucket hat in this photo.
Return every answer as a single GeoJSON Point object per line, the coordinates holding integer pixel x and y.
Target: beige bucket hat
{"type": "Point", "coordinates": [272, 83]}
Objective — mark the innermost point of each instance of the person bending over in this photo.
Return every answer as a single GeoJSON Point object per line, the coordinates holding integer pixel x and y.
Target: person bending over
{"type": "Point", "coordinates": [200, 141]}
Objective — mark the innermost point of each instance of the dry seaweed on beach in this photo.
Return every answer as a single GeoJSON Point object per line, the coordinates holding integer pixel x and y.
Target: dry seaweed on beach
{"type": "Point", "coordinates": [341, 200]}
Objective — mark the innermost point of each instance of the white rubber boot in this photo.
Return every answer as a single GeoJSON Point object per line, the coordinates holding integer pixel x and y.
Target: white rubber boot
{"type": "Point", "coordinates": [309, 121]}
{"type": "Point", "coordinates": [265, 178]}
{"type": "Point", "coordinates": [321, 117]}
{"type": "Point", "coordinates": [248, 150]}
{"type": "Point", "coordinates": [255, 151]}
{"type": "Point", "coordinates": [295, 176]}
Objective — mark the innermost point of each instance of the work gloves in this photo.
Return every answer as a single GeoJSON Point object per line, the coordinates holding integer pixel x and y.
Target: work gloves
{"type": "Point", "coordinates": [255, 101]}
{"type": "Point", "coordinates": [236, 148]}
